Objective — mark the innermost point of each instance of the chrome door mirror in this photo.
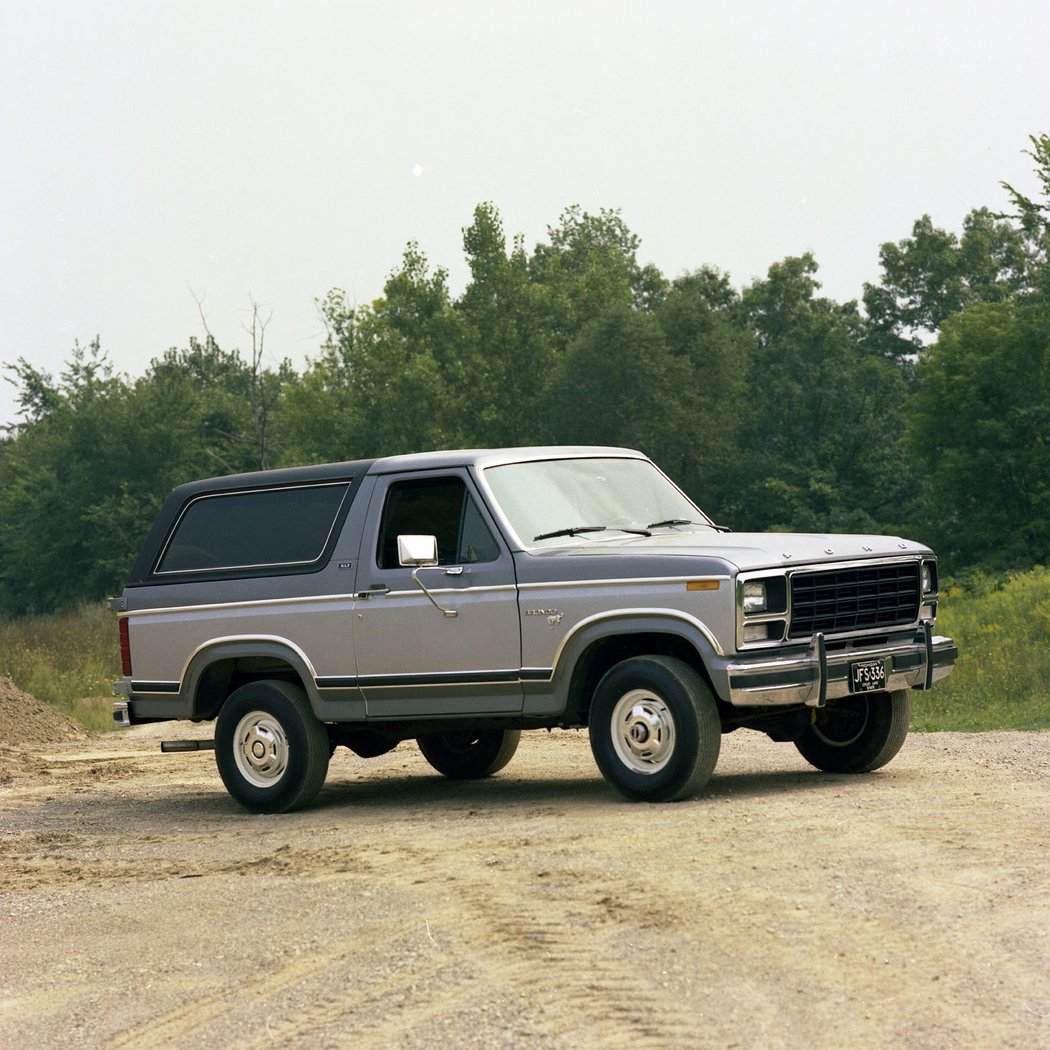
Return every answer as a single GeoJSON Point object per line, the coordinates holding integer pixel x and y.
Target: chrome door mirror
{"type": "Point", "coordinates": [417, 551]}
{"type": "Point", "coordinates": [421, 552]}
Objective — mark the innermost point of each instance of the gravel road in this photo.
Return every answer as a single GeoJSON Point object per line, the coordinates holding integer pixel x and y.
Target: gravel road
{"type": "Point", "coordinates": [783, 908]}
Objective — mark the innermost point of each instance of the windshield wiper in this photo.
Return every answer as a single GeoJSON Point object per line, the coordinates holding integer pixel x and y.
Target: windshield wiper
{"type": "Point", "coordinates": [686, 521]}
{"type": "Point", "coordinates": [574, 531]}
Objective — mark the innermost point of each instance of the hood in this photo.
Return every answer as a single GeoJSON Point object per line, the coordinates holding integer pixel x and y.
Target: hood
{"type": "Point", "coordinates": [747, 550]}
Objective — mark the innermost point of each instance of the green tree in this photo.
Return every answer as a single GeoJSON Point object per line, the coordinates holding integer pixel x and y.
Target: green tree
{"type": "Point", "coordinates": [934, 275]}
{"type": "Point", "coordinates": [591, 266]}
{"type": "Point", "coordinates": [619, 384]}
{"type": "Point", "coordinates": [380, 385]}
{"type": "Point", "coordinates": [213, 408]}
{"type": "Point", "coordinates": [1033, 217]}
{"type": "Point", "coordinates": [508, 349]}
{"type": "Point", "coordinates": [82, 476]}
{"type": "Point", "coordinates": [69, 523]}
{"type": "Point", "coordinates": [980, 430]}
{"type": "Point", "coordinates": [821, 435]}
{"type": "Point", "coordinates": [700, 319]}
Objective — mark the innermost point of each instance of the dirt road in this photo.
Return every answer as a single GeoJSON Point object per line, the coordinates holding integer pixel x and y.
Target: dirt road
{"type": "Point", "coordinates": [784, 908]}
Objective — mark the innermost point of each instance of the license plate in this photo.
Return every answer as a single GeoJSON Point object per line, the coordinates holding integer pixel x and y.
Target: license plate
{"type": "Point", "coordinates": [868, 676]}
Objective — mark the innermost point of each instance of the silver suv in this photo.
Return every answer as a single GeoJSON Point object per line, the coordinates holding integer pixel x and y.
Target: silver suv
{"type": "Point", "coordinates": [457, 598]}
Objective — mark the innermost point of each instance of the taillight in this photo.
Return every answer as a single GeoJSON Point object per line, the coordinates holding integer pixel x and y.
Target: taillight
{"type": "Point", "coordinates": [125, 648]}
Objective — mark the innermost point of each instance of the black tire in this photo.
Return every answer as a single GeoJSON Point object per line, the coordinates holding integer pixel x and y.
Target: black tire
{"type": "Point", "coordinates": [654, 729]}
{"type": "Point", "coordinates": [470, 754]}
{"type": "Point", "coordinates": [271, 751]}
{"type": "Point", "coordinates": [858, 733]}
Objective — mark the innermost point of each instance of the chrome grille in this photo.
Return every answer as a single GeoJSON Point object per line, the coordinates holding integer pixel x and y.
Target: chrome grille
{"type": "Point", "coordinates": [863, 598]}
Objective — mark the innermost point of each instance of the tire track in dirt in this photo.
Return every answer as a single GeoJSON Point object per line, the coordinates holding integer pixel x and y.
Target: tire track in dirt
{"type": "Point", "coordinates": [781, 909]}
{"type": "Point", "coordinates": [526, 923]}
{"type": "Point", "coordinates": [183, 1024]}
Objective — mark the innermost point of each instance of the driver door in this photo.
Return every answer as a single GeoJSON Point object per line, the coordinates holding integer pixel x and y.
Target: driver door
{"type": "Point", "coordinates": [413, 660]}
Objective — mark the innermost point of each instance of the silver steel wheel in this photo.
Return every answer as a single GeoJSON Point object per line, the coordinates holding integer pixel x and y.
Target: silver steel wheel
{"type": "Point", "coordinates": [260, 749]}
{"type": "Point", "coordinates": [654, 728]}
{"type": "Point", "coordinates": [643, 731]}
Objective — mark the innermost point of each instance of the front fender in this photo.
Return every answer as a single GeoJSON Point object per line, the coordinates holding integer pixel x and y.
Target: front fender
{"type": "Point", "coordinates": [603, 627]}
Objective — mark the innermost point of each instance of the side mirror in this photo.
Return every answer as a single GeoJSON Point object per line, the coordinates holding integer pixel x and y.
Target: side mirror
{"type": "Point", "coordinates": [417, 551]}
{"type": "Point", "coordinates": [421, 552]}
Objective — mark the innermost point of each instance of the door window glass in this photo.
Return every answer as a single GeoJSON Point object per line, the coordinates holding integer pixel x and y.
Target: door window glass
{"type": "Point", "coordinates": [440, 507]}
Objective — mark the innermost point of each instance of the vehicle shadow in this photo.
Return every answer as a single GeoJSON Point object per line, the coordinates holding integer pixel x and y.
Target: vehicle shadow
{"type": "Point", "coordinates": [401, 793]}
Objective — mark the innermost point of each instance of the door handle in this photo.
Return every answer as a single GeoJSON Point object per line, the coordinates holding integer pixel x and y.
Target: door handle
{"type": "Point", "coordinates": [454, 570]}
{"type": "Point", "coordinates": [374, 591]}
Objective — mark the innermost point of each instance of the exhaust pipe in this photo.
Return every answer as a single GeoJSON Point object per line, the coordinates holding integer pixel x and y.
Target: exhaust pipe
{"type": "Point", "coordinates": [170, 746]}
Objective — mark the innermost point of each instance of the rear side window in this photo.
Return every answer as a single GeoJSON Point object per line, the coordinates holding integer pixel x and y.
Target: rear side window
{"type": "Point", "coordinates": [268, 528]}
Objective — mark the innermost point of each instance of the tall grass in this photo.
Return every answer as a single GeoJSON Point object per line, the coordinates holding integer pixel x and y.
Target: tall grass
{"type": "Point", "coordinates": [69, 660]}
{"type": "Point", "coordinates": [1001, 681]}
{"type": "Point", "coordinates": [1002, 678]}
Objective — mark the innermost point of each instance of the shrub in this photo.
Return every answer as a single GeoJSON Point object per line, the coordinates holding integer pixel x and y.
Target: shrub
{"type": "Point", "coordinates": [68, 659]}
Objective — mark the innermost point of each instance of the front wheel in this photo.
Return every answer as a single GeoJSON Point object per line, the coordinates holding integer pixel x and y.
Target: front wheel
{"type": "Point", "coordinates": [271, 751]}
{"type": "Point", "coordinates": [654, 729]}
{"type": "Point", "coordinates": [858, 733]}
{"type": "Point", "coordinates": [470, 754]}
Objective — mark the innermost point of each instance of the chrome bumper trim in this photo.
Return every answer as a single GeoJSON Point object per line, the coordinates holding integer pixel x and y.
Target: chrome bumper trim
{"type": "Point", "coordinates": [820, 675]}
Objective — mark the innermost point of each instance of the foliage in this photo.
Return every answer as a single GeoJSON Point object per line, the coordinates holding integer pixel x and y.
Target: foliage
{"type": "Point", "coordinates": [1033, 216]}
{"type": "Point", "coordinates": [69, 659]}
{"type": "Point", "coordinates": [934, 275]}
{"type": "Point", "coordinates": [980, 433]}
{"type": "Point", "coordinates": [1002, 678]}
{"type": "Point", "coordinates": [83, 476]}
{"type": "Point", "coordinates": [774, 406]}
{"type": "Point", "coordinates": [821, 442]}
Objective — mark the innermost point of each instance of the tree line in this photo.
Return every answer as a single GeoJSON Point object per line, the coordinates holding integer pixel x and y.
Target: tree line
{"type": "Point", "coordinates": [923, 410]}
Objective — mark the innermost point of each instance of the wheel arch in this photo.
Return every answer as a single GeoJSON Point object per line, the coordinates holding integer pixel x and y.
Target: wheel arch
{"type": "Point", "coordinates": [597, 645]}
{"type": "Point", "coordinates": [215, 671]}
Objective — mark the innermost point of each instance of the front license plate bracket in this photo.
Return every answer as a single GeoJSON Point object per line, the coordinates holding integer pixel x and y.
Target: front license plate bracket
{"type": "Point", "coordinates": [867, 676]}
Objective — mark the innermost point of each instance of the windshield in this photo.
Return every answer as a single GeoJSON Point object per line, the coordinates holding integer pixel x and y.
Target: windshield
{"type": "Point", "coordinates": [555, 500]}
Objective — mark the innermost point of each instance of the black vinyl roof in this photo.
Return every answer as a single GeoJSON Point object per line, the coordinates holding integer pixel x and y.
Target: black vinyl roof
{"type": "Point", "coordinates": [267, 479]}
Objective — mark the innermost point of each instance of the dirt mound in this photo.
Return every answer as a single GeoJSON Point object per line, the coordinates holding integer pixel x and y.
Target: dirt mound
{"type": "Point", "coordinates": [26, 720]}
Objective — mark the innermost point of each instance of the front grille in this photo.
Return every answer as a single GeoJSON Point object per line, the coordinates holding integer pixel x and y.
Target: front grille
{"type": "Point", "coordinates": [857, 599]}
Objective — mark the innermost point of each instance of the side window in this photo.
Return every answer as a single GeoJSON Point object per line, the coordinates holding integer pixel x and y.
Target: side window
{"type": "Point", "coordinates": [268, 528]}
{"type": "Point", "coordinates": [440, 507]}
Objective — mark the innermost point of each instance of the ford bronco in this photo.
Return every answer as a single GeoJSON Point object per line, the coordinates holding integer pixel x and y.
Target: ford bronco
{"type": "Point", "coordinates": [458, 598]}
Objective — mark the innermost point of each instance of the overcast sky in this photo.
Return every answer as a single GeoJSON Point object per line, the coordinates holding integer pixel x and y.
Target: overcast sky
{"type": "Point", "coordinates": [157, 152]}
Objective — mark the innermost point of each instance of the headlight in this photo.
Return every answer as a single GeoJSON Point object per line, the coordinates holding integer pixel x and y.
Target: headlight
{"type": "Point", "coordinates": [928, 577]}
{"type": "Point", "coordinates": [754, 597]}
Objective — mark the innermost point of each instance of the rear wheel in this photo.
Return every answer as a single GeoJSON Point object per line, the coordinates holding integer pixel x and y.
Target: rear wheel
{"type": "Point", "coordinates": [470, 754]}
{"type": "Point", "coordinates": [271, 751]}
{"type": "Point", "coordinates": [858, 733]}
{"type": "Point", "coordinates": [654, 729]}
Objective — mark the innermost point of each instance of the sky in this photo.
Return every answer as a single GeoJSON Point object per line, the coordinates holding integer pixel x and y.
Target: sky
{"type": "Point", "coordinates": [162, 160]}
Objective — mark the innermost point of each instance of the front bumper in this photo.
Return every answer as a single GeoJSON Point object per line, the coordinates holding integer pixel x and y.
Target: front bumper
{"type": "Point", "coordinates": [823, 672]}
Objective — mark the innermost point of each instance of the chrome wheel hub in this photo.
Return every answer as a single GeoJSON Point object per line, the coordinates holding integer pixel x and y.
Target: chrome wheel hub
{"type": "Point", "coordinates": [260, 749]}
{"type": "Point", "coordinates": [643, 731]}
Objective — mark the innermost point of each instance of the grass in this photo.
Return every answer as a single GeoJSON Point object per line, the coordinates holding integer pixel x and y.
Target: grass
{"type": "Point", "coordinates": [69, 660]}
{"type": "Point", "coordinates": [1002, 677]}
{"type": "Point", "coordinates": [1001, 681]}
